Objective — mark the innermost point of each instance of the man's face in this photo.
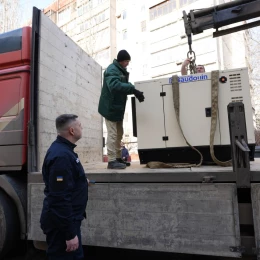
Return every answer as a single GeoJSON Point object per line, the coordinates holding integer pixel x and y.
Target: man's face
{"type": "Point", "coordinates": [200, 69]}
{"type": "Point", "coordinates": [76, 130]}
{"type": "Point", "coordinates": [124, 63]}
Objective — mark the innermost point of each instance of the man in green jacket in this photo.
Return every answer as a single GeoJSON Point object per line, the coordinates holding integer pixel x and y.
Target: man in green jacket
{"type": "Point", "coordinates": [112, 104]}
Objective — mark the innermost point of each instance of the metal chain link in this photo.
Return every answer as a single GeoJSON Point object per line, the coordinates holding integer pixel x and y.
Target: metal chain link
{"type": "Point", "coordinates": [192, 57]}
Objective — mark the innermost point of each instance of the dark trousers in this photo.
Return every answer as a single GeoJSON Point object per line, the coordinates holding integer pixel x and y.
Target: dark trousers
{"type": "Point", "coordinates": [57, 246]}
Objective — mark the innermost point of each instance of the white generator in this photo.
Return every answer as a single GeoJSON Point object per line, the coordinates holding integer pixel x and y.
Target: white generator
{"type": "Point", "coordinates": [158, 132]}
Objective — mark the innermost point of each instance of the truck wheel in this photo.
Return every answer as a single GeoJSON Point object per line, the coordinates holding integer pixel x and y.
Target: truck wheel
{"type": "Point", "coordinates": [9, 224]}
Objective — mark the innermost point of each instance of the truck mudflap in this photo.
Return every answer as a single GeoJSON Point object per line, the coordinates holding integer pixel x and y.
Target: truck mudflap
{"type": "Point", "coordinates": [180, 218]}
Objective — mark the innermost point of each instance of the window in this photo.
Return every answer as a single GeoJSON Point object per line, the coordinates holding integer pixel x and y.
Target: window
{"type": "Point", "coordinates": [64, 16]}
{"type": "Point", "coordinates": [83, 9]}
{"type": "Point", "coordinates": [143, 26]}
{"type": "Point", "coordinates": [49, 13]}
{"type": "Point", "coordinates": [163, 8]}
{"type": "Point", "coordinates": [124, 14]}
{"type": "Point", "coordinates": [84, 26]}
{"type": "Point", "coordinates": [155, 13]}
{"type": "Point", "coordinates": [159, 11]}
{"type": "Point", "coordinates": [88, 6]}
{"type": "Point", "coordinates": [99, 18]}
{"type": "Point", "coordinates": [125, 35]}
{"type": "Point", "coordinates": [183, 2]}
{"type": "Point", "coordinates": [172, 6]}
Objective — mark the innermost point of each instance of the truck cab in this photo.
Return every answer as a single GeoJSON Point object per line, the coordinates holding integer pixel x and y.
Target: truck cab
{"type": "Point", "coordinates": [15, 68]}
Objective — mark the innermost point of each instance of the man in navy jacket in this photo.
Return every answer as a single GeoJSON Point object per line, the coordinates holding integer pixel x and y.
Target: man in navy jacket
{"type": "Point", "coordinates": [66, 192]}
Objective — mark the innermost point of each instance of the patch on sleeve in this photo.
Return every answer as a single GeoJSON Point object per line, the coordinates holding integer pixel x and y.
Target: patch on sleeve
{"type": "Point", "coordinates": [59, 178]}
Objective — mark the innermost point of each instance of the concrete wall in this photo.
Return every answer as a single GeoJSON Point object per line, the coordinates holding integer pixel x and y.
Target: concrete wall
{"type": "Point", "coordinates": [70, 82]}
{"type": "Point", "coordinates": [181, 218]}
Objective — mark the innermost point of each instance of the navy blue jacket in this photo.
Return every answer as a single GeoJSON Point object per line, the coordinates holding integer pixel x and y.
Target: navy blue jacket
{"type": "Point", "coordinates": [66, 189]}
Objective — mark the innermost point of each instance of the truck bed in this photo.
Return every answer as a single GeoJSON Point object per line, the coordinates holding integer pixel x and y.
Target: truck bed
{"type": "Point", "coordinates": [140, 173]}
{"type": "Point", "coordinates": [168, 210]}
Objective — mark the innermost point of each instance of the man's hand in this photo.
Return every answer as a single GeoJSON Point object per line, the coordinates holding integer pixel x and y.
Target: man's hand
{"type": "Point", "coordinates": [139, 95]}
{"type": "Point", "coordinates": [90, 182]}
{"type": "Point", "coordinates": [72, 244]}
{"type": "Point", "coordinates": [184, 66]}
{"type": "Point", "coordinates": [186, 62]}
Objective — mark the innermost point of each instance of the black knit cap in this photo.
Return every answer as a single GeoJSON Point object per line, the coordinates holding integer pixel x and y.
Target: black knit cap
{"type": "Point", "coordinates": [123, 55]}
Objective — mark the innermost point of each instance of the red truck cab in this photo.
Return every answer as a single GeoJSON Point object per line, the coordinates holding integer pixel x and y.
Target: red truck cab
{"type": "Point", "coordinates": [15, 53]}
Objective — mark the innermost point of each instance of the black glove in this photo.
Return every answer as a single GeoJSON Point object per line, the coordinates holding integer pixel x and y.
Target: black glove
{"type": "Point", "coordinates": [139, 95]}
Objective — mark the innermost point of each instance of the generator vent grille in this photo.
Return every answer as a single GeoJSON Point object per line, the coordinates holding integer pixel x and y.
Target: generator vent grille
{"type": "Point", "coordinates": [235, 82]}
{"type": "Point", "coordinates": [237, 99]}
{"type": "Point", "coordinates": [235, 87]}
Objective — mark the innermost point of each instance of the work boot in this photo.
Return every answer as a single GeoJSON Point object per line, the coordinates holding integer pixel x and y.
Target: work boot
{"type": "Point", "coordinates": [116, 165]}
{"type": "Point", "coordinates": [122, 161]}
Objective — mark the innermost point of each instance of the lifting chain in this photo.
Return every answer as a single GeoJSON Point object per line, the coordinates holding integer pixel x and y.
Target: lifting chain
{"type": "Point", "coordinates": [192, 57]}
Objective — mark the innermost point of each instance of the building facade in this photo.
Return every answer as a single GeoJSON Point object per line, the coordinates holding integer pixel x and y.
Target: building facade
{"type": "Point", "coordinates": [89, 23]}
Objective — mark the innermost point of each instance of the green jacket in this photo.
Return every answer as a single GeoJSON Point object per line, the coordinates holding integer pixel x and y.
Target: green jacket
{"type": "Point", "coordinates": [114, 92]}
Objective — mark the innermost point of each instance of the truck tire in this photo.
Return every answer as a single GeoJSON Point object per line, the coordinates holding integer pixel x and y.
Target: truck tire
{"type": "Point", "coordinates": [9, 224]}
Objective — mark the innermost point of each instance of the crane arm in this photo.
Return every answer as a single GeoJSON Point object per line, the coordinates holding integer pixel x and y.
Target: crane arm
{"type": "Point", "coordinates": [196, 21]}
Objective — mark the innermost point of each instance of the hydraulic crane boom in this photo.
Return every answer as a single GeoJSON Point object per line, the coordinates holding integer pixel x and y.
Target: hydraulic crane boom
{"type": "Point", "coordinates": [218, 16]}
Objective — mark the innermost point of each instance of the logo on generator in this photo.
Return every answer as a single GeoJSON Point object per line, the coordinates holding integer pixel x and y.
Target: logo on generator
{"type": "Point", "coordinates": [190, 78]}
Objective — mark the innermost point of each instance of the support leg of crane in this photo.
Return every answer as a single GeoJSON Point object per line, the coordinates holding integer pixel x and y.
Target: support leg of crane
{"type": "Point", "coordinates": [239, 146]}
